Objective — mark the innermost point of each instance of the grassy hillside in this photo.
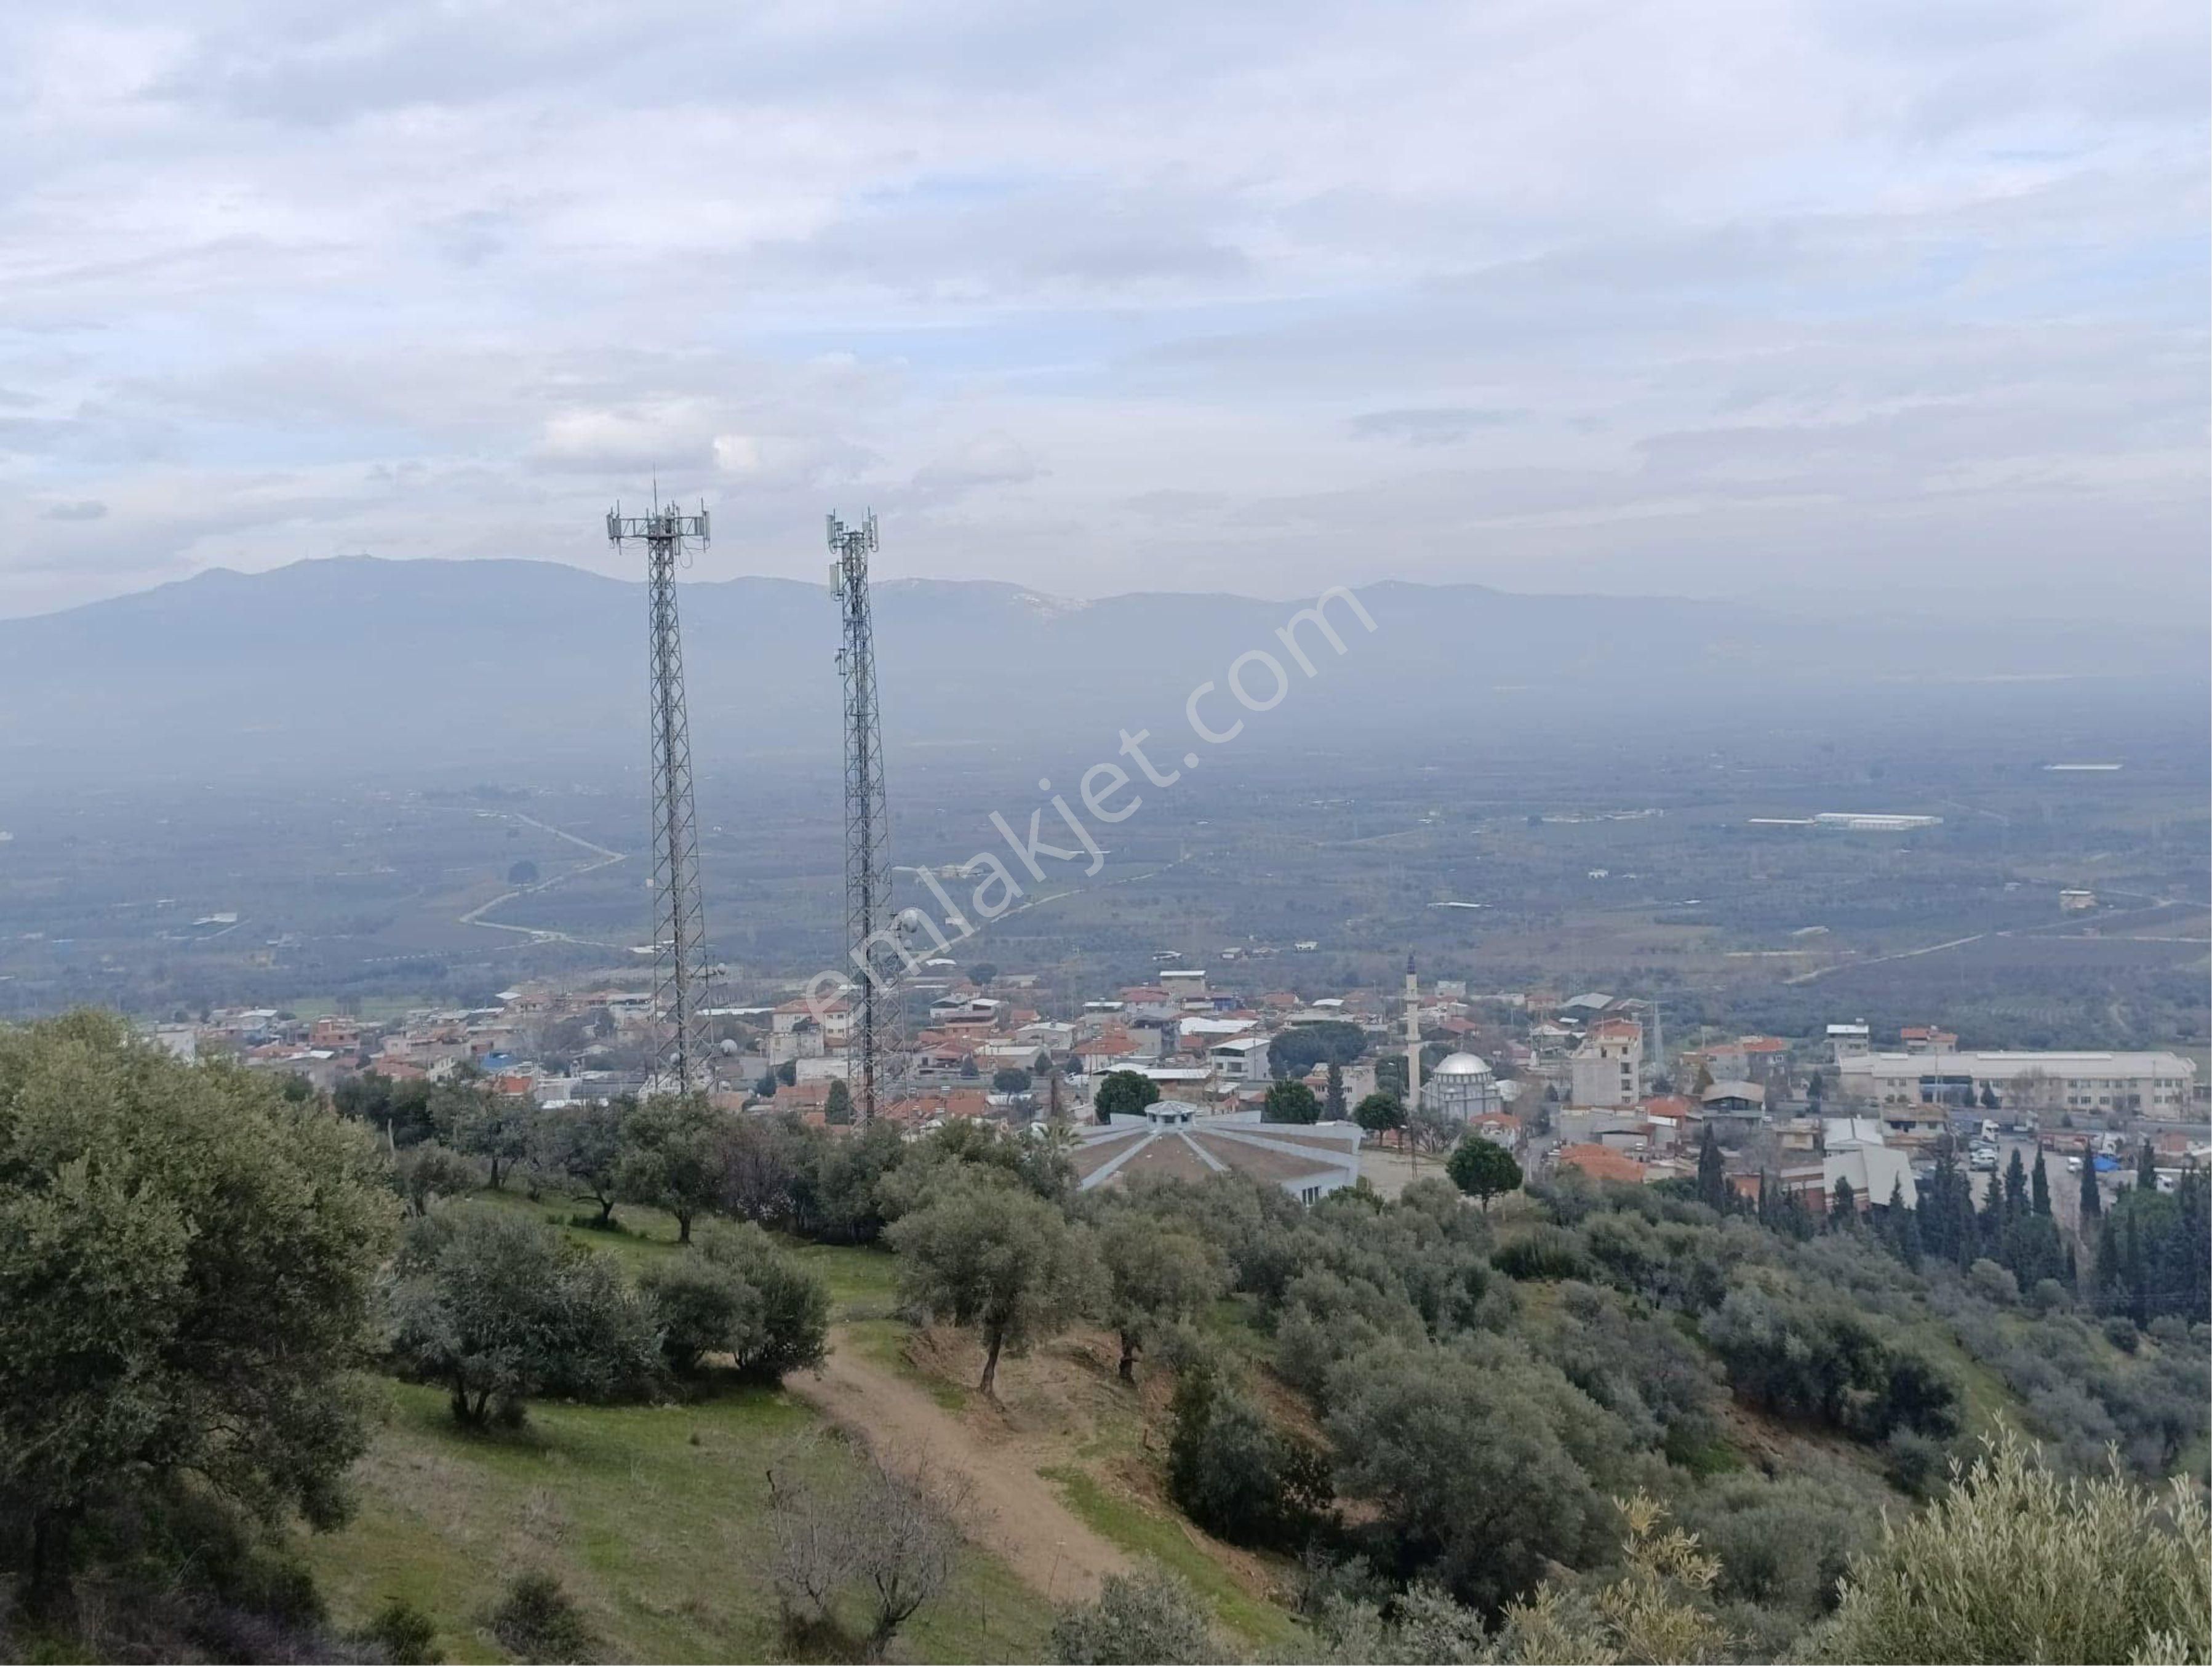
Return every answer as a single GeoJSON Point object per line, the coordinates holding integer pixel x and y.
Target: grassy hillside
{"type": "Point", "coordinates": [654, 1517]}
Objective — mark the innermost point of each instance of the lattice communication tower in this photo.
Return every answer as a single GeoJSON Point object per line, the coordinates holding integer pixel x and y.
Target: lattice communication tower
{"type": "Point", "coordinates": [678, 915]}
{"type": "Point", "coordinates": [878, 1048]}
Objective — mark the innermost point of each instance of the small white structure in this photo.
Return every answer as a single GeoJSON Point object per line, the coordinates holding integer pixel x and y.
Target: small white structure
{"type": "Point", "coordinates": [1241, 1058]}
{"type": "Point", "coordinates": [1850, 1041]}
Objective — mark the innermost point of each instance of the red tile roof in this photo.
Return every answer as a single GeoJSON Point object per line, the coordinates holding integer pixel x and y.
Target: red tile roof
{"type": "Point", "coordinates": [1600, 1163]}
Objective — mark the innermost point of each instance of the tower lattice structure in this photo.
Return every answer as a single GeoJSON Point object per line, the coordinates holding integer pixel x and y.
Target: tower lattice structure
{"type": "Point", "coordinates": [877, 1049]}
{"type": "Point", "coordinates": [678, 915]}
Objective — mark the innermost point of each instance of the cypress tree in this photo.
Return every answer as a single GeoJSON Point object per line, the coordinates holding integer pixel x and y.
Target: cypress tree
{"type": "Point", "coordinates": [2040, 1186]}
{"type": "Point", "coordinates": [1908, 1239]}
{"type": "Point", "coordinates": [1712, 1173]}
{"type": "Point", "coordinates": [2093, 1195]}
{"type": "Point", "coordinates": [2135, 1285]}
{"type": "Point", "coordinates": [2147, 1169]}
{"type": "Point", "coordinates": [2015, 1184]}
{"type": "Point", "coordinates": [1843, 1206]}
{"type": "Point", "coordinates": [1992, 1226]}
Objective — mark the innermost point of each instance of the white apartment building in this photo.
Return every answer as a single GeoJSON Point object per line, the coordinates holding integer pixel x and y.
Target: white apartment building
{"type": "Point", "coordinates": [2157, 1085]}
{"type": "Point", "coordinates": [1241, 1058]}
{"type": "Point", "coordinates": [1607, 1068]}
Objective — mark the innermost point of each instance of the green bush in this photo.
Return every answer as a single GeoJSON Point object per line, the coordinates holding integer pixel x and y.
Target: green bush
{"type": "Point", "coordinates": [2016, 1563]}
{"type": "Point", "coordinates": [1148, 1619]}
{"type": "Point", "coordinates": [1231, 1472]}
{"type": "Point", "coordinates": [404, 1634]}
{"type": "Point", "coordinates": [1545, 1252]}
{"type": "Point", "coordinates": [496, 1309]}
{"type": "Point", "coordinates": [537, 1621]}
{"type": "Point", "coordinates": [736, 1291]}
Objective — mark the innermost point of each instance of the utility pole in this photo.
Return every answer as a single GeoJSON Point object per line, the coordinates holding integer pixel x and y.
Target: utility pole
{"type": "Point", "coordinates": [877, 1045]}
{"type": "Point", "coordinates": [678, 915]}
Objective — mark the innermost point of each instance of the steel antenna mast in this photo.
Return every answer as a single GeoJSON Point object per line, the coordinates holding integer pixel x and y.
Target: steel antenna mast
{"type": "Point", "coordinates": [678, 916]}
{"type": "Point", "coordinates": [878, 1045]}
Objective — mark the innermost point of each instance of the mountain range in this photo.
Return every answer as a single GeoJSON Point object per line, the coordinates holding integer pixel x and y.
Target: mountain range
{"type": "Point", "coordinates": [354, 666]}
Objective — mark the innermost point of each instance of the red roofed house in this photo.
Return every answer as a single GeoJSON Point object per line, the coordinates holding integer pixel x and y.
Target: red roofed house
{"type": "Point", "coordinates": [1600, 1163]}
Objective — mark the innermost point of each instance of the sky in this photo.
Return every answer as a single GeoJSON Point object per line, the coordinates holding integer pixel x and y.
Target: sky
{"type": "Point", "coordinates": [1880, 304]}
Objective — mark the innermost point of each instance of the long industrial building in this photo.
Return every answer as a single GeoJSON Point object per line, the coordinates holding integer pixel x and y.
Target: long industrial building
{"type": "Point", "coordinates": [2162, 1085]}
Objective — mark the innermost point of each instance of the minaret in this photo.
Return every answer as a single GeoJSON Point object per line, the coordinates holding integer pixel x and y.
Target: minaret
{"type": "Point", "coordinates": [1413, 1035]}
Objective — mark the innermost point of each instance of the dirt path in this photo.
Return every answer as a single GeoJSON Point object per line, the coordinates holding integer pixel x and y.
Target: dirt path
{"type": "Point", "coordinates": [1020, 1517]}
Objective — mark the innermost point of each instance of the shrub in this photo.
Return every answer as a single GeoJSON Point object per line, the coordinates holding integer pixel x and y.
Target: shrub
{"type": "Point", "coordinates": [1993, 1282]}
{"type": "Point", "coordinates": [1139, 1619]}
{"type": "Point", "coordinates": [884, 1541]}
{"type": "Point", "coordinates": [497, 1309]}
{"type": "Point", "coordinates": [735, 1291]}
{"type": "Point", "coordinates": [537, 1620]}
{"type": "Point", "coordinates": [2016, 1563]}
{"type": "Point", "coordinates": [404, 1634]}
{"type": "Point", "coordinates": [2120, 1331]}
{"type": "Point", "coordinates": [1547, 1252]}
{"type": "Point", "coordinates": [1233, 1473]}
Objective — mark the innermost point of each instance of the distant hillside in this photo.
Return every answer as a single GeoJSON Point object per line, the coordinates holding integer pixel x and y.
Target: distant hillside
{"type": "Point", "coordinates": [356, 665]}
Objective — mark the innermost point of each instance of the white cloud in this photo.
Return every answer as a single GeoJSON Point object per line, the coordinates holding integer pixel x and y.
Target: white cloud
{"type": "Point", "coordinates": [1594, 292]}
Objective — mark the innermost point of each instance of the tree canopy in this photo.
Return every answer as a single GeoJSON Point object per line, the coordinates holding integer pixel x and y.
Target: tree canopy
{"type": "Point", "coordinates": [1157, 1274]}
{"type": "Point", "coordinates": [1123, 1093]}
{"type": "Point", "coordinates": [1482, 1169]}
{"type": "Point", "coordinates": [1380, 1112]}
{"type": "Point", "coordinates": [496, 1308]}
{"type": "Point", "coordinates": [1289, 1102]}
{"type": "Point", "coordinates": [187, 1262]}
{"type": "Point", "coordinates": [672, 1152]}
{"type": "Point", "coordinates": [986, 1252]}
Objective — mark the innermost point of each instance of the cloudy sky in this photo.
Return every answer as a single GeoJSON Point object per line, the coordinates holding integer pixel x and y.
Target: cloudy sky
{"type": "Point", "coordinates": [1896, 302]}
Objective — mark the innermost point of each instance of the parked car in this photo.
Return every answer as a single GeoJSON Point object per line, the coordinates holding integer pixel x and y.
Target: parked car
{"type": "Point", "coordinates": [2074, 1164]}
{"type": "Point", "coordinates": [1984, 1160]}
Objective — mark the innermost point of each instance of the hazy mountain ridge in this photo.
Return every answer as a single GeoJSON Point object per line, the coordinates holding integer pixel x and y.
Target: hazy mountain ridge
{"type": "Point", "coordinates": [361, 663]}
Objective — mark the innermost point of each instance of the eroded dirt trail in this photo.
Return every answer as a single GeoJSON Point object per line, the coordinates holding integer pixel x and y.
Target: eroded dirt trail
{"type": "Point", "coordinates": [1019, 1515]}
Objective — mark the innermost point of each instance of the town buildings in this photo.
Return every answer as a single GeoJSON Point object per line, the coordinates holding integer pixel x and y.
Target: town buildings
{"type": "Point", "coordinates": [2156, 1085]}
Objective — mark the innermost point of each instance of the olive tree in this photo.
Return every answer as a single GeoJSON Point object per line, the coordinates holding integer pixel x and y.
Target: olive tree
{"type": "Point", "coordinates": [580, 1146]}
{"type": "Point", "coordinates": [187, 1267]}
{"type": "Point", "coordinates": [737, 1291]}
{"type": "Point", "coordinates": [496, 1308]}
{"type": "Point", "coordinates": [1155, 1274]}
{"type": "Point", "coordinates": [1149, 1618]}
{"type": "Point", "coordinates": [473, 1119]}
{"type": "Point", "coordinates": [2016, 1563]}
{"type": "Point", "coordinates": [672, 1158]}
{"type": "Point", "coordinates": [987, 1253]}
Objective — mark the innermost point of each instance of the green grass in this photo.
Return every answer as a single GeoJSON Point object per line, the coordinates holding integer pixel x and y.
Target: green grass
{"type": "Point", "coordinates": [654, 1517]}
{"type": "Point", "coordinates": [1149, 1535]}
